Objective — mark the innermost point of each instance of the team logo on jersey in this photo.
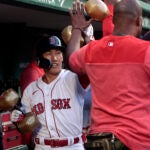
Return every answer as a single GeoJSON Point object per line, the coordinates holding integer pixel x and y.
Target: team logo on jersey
{"type": "Point", "coordinates": [34, 92]}
{"type": "Point", "coordinates": [60, 104]}
{"type": "Point", "coordinates": [38, 108]}
{"type": "Point", "coordinates": [56, 104]}
{"type": "Point", "coordinates": [110, 44]}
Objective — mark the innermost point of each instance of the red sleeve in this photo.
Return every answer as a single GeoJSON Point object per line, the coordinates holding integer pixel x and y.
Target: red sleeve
{"type": "Point", "coordinates": [77, 60]}
{"type": "Point", "coordinates": [29, 75]}
{"type": "Point", "coordinates": [107, 24]}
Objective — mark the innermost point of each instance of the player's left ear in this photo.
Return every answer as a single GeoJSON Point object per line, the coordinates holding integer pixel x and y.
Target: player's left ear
{"type": "Point", "coordinates": [139, 24]}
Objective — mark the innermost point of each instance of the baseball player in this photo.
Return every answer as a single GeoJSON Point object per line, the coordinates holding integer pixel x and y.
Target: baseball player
{"type": "Point", "coordinates": [56, 98]}
{"type": "Point", "coordinates": [118, 67]}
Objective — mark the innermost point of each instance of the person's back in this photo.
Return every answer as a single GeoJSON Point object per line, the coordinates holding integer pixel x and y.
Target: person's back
{"type": "Point", "coordinates": [118, 68]}
{"type": "Point", "coordinates": [120, 87]}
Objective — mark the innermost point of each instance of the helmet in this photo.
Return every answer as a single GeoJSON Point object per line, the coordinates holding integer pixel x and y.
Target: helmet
{"type": "Point", "coordinates": [44, 45]}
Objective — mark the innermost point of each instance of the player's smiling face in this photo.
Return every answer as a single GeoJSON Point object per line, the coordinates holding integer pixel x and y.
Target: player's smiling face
{"type": "Point", "coordinates": [56, 57]}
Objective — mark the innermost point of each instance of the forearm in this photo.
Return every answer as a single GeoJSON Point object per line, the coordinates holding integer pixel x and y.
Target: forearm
{"type": "Point", "coordinates": [79, 24]}
{"type": "Point", "coordinates": [74, 43]}
{"type": "Point", "coordinates": [107, 24]}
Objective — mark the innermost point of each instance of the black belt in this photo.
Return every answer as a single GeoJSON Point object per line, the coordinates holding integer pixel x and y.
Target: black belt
{"type": "Point", "coordinates": [104, 141]}
{"type": "Point", "coordinates": [99, 136]}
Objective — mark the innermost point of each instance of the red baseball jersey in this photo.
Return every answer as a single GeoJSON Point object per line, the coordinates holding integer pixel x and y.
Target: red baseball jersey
{"type": "Point", "coordinates": [119, 71]}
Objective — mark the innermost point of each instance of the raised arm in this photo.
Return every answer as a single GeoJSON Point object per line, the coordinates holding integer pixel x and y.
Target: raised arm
{"type": "Point", "coordinates": [107, 24]}
{"type": "Point", "coordinates": [79, 23]}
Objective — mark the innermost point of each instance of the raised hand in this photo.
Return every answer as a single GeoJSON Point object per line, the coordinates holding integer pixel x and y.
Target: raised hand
{"type": "Point", "coordinates": [78, 19]}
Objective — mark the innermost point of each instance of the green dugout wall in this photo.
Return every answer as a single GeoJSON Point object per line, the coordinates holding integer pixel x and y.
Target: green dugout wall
{"type": "Point", "coordinates": [63, 5]}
